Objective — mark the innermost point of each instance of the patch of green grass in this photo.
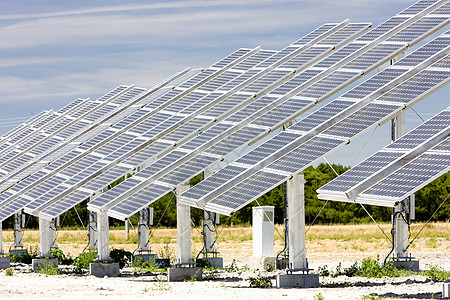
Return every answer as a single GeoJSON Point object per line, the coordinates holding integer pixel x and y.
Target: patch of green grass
{"type": "Point", "coordinates": [48, 269]}
{"type": "Point", "coordinates": [436, 272]}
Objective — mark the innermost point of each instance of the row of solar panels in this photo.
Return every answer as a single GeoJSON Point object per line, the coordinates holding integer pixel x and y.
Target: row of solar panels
{"type": "Point", "coordinates": [240, 106]}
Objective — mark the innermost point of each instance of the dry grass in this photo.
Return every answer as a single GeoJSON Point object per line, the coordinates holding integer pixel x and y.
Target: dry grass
{"type": "Point", "coordinates": [331, 240]}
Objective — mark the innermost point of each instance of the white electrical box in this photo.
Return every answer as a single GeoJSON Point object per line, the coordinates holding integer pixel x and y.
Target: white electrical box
{"type": "Point", "coordinates": [263, 235]}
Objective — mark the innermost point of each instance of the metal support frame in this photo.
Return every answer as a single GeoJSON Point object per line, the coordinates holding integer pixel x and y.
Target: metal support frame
{"type": "Point", "coordinates": [92, 230]}
{"type": "Point", "coordinates": [183, 229]}
{"type": "Point", "coordinates": [401, 212]}
{"type": "Point", "coordinates": [18, 234]}
{"type": "Point", "coordinates": [1, 238]}
{"type": "Point", "coordinates": [47, 236]}
{"type": "Point", "coordinates": [145, 222]}
{"type": "Point", "coordinates": [295, 198]}
{"type": "Point", "coordinates": [103, 237]}
{"type": "Point", "coordinates": [209, 239]}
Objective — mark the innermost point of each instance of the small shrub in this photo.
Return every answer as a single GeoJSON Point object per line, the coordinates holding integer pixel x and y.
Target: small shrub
{"type": "Point", "coordinates": [141, 266]}
{"type": "Point", "coordinates": [120, 256]}
{"type": "Point", "coordinates": [83, 260]}
{"type": "Point", "coordinates": [436, 273]}
{"type": "Point", "coordinates": [161, 285]}
{"type": "Point", "coordinates": [62, 258]}
{"type": "Point", "coordinates": [323, 271]}
{"type": "Point", "coordinates": [9, 272]}
{"type": "Point", "coordinates": [48, 269]}
{"type": "Point", "coordinates": [232, 267]}
{"type": "Point", "coordinates": [260, 281]}
{"type": "Point", "coordinates": [25, 258]}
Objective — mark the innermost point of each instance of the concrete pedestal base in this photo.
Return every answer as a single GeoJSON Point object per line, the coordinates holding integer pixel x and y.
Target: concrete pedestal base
{"type": "Point", "coordinates": [104, 269]}
{"type": "Point", "coordinates": [212, 262]}
{"type": "Point", "coordinates": [18, 252]}
{"type": "Point", "coordinates": [446, 291]}
{"type": "Point", "coordinates": [143, 257]}
{"type": "Point", "coordinates": [261, 263]}
{"type": "Point", "coordinates": [38, 263]}
{"type": "Point", "coordinates": [411, 265]}
{"type": "Point", "coordinates": [5, 262]}
{"type": "Point", "coordinates": [184, 274]}
{"type": "Point", "coordinates": [297, 280]}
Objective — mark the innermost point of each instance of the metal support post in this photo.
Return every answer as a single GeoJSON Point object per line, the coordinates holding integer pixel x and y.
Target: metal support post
{"type": "Point", "coordinates": [209, 233]}
{"type": "Point", "coordinates": [400, 223]}
{"type": "Point", "coordinates": [1, 238]}
{"type": "Point", "coordinates": [127, 228]}
{"type": "Point", "coordinates": [145, 221]}
{"type": "Point", "coordinates": [103, 237]}
{"type": "Point", "coordinates": [92, 229]}
{"type": "Point", "coordinates": [18, 230]}
{"type": "Point", "coordinates": [183, 229]}
{"type": "Point", "coordinates": [47, 236]}
{"type": "Point", "coordinates": [296, 229]}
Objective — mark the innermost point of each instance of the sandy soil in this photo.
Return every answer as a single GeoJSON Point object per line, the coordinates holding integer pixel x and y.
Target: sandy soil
{"type": "Point", "coordinates": [322, 249]}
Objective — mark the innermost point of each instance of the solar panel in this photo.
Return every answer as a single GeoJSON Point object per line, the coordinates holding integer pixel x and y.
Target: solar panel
{"type": "Point", "coordinates": [315, 93]}
{"type": "Point", "coordinates": [292, 159]}
{"type": "Point", "coordinates": [399, 169]}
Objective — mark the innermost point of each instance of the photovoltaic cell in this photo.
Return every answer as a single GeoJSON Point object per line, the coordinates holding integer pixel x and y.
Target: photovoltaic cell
{"type": "Point", "coordinates": [328, 84]}
{"type": "Point", "coordinates": [231, 58]}
{"type": "Point", "coordinates": [316, 33]}
{"type": "Point", "coordinates": [417, 172]}
{"type": "Point", "coordinates": [206, 136]}
{"type": "Point", "coordinates": [362, 171]}
{"type": "Point", "coordinates": [295, 82]}
{"type": "Point", "coordinates": [423, 26]}
{"type": "Point", "coordinates": [383, 28]}
{"type": "Point", "coordinates": [254, 60]}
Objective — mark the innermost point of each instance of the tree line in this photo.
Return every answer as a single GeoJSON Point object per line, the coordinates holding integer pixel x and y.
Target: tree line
{"type": "Point", "coordinates": [428, 200]}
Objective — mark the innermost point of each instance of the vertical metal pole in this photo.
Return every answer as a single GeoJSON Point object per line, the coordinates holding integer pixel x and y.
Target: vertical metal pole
{"type": "Point", "coordinates": [296, 216]}
{"type": "Point", "coordinates": [209, 232]}
{"type": "Point", "coordinates": [1, 238]}
{"type": "Point", "coordinates": [183, 228]}
{"type": "Point", "coordinates": [144, 231]}
{"type": "Point", "coordinates": [93, 236]}
{"type": "Point", "coordinates": [45, 237]}
{"type": "Point", "coordinates": [401, 211]}
{"type": "Point", "coordinates": [103, 237]}
{"type": "Point", "coordinates": [18, 230]}
{"type": "Point", "coordinates": [127, 228]}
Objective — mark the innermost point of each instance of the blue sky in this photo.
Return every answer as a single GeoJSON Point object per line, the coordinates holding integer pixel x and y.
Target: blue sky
{"type": "Point", "coordinates": [52, 52]}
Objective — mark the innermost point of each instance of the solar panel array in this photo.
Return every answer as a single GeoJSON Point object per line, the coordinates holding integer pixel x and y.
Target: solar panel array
{"type": "Point", "coordinates": [398, 170]}
{"type": "Point", "coordinates": [181, 106]}
{"type": "Point", "coordinates": [178, 167]}
{"type": "Point", "coordinates": [373, 102]}
{"type": "Point", "coordinates": [259, 85]}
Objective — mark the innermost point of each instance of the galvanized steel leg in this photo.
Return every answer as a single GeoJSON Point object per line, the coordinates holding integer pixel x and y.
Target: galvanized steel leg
{"type": "Point", "coordinates": [103, 237]}
{"type": "Point", "coordinates": [183, 229]}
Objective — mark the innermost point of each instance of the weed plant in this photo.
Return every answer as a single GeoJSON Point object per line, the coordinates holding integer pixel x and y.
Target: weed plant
{"type": "Point", "coordinates": [48, 269]}
{"type": "Point", "coordinates": [121, 256]}
{"type": "Point", "coordinates": [83, 260]}
{"type": "Point", "coordinates": [9, 272]}
{"type": "Point", "coordinates": [62, 258]}
{"type": "Point", "coordinates": [260, 281]}
{"type": "Point", "coordinates": [141, 266]}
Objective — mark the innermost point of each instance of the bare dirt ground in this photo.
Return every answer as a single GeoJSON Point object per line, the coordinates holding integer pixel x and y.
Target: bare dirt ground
{"type": "Point", "coordinates": [326, 245]}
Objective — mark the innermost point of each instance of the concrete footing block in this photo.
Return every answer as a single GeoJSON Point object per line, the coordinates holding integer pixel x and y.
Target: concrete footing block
{"type": "Point", "coordinates": [5, 262]}
{"type": "Point", "coordinates": [297, 280]}
{"type": "Point", "coordinates": [104, 269]}
{"type": "Point", "coordinates": [212, 262]}
{"type": "Point", "coordinates": [38, 263]}
{"type": "Point", "coordinates": [446, 290]}
{"type": "Point", "coordinates": [143, 257]}
{"type": "Point", "coordinates": [411, 265]}
{"type": "Point", "coordinates": [267, 263]}
{"type": "Point", "coordinates": [184, 274]}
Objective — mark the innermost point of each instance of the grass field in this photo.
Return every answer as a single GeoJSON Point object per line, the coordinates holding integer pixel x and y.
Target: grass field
{"type": "Point", "coordinates": [357, 241]}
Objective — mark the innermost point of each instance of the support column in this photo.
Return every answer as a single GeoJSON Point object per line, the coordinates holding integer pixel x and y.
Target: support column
{"type": "Point", "coordinates": [5, 261]}
{"type": "Point", "coordinates": [210, 258]}
{"type": "Point", "coordinates": [18, 248]}
{"type": "Point", "coordinates": [92, 230]}
{"type": "Point", "coordinates": [403, 211]}
{"type": "Point", "coordinates": [183, 269]}
{"type": "Point", "coordinates": [127, 228]}
{"type": "Point", "coordinates": [104, 266]}
{"type": "Point", "coordinates": [296, 228]}
{"type": "Point", "coordinates": [295, 198]}
{"type": "Point", "coordinates": [183, 229]}
{"type": "Point", "coordinates": [47, 236]}
{"type": "Point", "coordinates": [144, 224]}
{"type": "Point", "coordinates": [103, 237]}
